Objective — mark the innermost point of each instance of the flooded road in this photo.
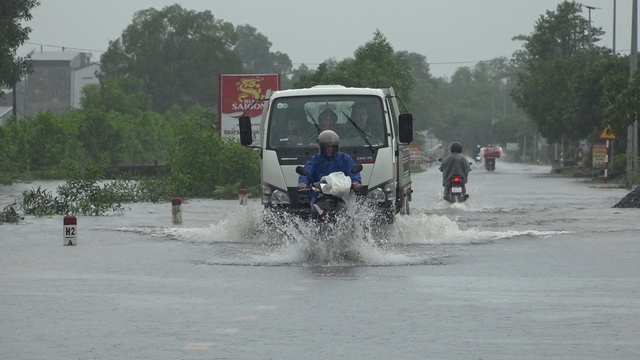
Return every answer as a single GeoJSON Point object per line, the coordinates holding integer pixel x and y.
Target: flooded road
{"type": "Point", "coordinates": [531, 266]}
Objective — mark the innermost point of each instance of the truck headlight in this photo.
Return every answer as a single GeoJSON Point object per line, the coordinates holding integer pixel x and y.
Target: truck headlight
{"type": "Point", "coordinates": [381, 194]}
{"type": "Point", "coordinates": [279, 197]}
{"type": "Point", "coordinates": [376, 195]}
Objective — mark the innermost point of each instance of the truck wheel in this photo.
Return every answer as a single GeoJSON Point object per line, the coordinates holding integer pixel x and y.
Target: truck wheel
{"type": "Point", "coordinates": [405, 210]}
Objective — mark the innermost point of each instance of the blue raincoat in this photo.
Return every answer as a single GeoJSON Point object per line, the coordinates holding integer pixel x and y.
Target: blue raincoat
{"type": "Point", "coordinates": [318, 166]}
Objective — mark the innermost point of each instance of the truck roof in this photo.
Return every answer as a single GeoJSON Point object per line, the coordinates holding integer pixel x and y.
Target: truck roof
{"type": "Point", "coordinates": [330, 90]}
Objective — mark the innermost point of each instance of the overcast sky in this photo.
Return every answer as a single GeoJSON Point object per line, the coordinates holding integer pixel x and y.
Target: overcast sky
{"type": "Point", "coordinates": [450, 33]}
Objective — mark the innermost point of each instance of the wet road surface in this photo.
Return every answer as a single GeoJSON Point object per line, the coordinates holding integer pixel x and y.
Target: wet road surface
{"type": "Point", "coordinates": [530, 267]}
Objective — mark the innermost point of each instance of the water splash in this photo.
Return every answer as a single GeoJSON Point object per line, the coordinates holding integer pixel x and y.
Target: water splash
{"type": "Point", "coordinates": [249, 236]}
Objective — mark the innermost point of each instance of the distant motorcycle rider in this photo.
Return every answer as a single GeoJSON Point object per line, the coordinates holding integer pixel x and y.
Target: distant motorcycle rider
{"type": "Point", "coordinates": [455, 164]}
{"type": "Point", "coordinates": [329, 159]}
{"type": "Point", "coordinates": [476, 151]}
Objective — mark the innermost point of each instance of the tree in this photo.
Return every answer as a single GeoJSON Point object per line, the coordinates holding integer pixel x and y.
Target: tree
{"type": "Point", "coordinates": [621, 99]}
{"type": "Point", "coordinates": [122, 94]}
{"type": "Point", "coordinates": [254, 50]}
{"type": "Point", "coordinates": [466, 114]}
{"type": "Point", "coordinates": [197, 147]}
{"type": "Point", "coordinates": [375, 64]}
{"type": "Point", "coordinates": [474, 107]}
{"type": "Point", "coordinates": [52, 139]}
{"type": "Point", "coordinates": [12, 36]}
{"type": "Point", "coordinates": [302, 71]}
{"type": "Point", "coordinates": [425, 95]}
{"type": "Point", "coordinates": [559, 84]}
{"type": "Point", "coordinates": [177, 53]}
{"type": "Point", "coordinates": [588, 89]}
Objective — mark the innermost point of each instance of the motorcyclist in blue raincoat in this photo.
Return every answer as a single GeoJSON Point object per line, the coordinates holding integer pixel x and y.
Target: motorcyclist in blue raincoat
{"type": "Point", "coordinates": [329, 159]}
{"type": "Point", "coordinates": [476, 151]}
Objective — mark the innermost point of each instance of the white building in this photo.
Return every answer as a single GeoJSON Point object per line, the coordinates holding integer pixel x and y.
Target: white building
{"type": "Point", "coordinates": [80, 78]}
{"type": "Point", "coordinates": [57, 81]}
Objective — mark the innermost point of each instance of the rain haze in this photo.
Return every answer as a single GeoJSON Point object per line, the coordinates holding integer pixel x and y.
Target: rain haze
{"type": "Point", "coordinates": [450, 34]}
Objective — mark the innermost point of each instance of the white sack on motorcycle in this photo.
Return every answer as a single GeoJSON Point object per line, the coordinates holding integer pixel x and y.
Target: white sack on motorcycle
{"type": "Point", "coordinates": [338, 184]}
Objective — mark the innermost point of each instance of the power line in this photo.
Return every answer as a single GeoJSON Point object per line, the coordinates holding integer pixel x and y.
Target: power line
{"type": "Point", "coordinates": [103, 51]}
{"type": "Point", "coordinates": [456, 62]}
{"type": "Point", "coordinates": [64, 47]}
{"type": "Point", "coordinates": [300, 63]}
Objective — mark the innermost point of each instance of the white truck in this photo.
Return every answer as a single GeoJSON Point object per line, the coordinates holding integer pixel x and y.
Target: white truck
{"type": "Point", "coordinates": [382, 149]}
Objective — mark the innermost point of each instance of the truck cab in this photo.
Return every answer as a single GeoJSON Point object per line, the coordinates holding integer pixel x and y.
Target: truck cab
{"type": "Point", "coordinates": [287, 135]}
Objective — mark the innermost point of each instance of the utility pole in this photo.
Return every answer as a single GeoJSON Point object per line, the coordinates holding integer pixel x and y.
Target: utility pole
{"type": "Point", "coordinates": [632, 130]}
{"type": "Point", "coordinates": [493, 120]}
{"type": "Point", "coordinates": [614, 27]}
{"type": "Point", "coordinates": [612, 154]}
{"type": "Point", "coordinates": [634, 68]}
{"type": "Point", "coordinates": [535, 148]}
{"type": "Point", "coordinates": [15, 102]}
{"type": "Point", "coordinates": [590, 32]}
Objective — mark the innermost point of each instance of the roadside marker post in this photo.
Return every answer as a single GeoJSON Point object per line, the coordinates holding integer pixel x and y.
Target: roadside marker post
{"type": "Point", "coordinates": [580, 158]}
{"type": "Point", "coordinates": [244, 194]}
{"type": "Point", "coordinates": [176, 211]}
{"type": "Point", "coordinates": [70, 230]}
{"type": "Point", "coordinates": [606, 162]}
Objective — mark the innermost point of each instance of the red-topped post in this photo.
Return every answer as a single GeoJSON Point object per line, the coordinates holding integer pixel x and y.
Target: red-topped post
{"type": "Point", "coordinates": [244, 194]}
{"type": "Point", "coordinates": [176, 210]}
{"type": "Point", "coordinates": [606, 162]}
{"type": "Point", "coordinates": [70, 231]}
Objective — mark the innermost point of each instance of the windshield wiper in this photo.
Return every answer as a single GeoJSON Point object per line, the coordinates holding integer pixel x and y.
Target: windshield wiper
{"type": "Point", "coordinates": [315, 123]}
{"type": "Point", "coordinates": [360, 131]}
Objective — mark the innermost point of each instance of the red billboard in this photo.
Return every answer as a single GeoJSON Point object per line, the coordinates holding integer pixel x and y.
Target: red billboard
{"type": "Point", "coordinates": [242, 94]}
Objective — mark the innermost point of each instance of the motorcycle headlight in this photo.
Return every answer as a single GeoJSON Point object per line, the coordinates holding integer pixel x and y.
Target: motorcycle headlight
{"type": "Point", "coordinates": [279, 197]}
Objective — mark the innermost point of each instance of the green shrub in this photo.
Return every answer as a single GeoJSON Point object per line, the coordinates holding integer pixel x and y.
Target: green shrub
{"type": "Point", "coordinates": [9, 214]}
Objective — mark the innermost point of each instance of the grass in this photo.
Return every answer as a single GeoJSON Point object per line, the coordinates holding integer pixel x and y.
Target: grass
{"type": "Point", "coordinates": [595, 176]}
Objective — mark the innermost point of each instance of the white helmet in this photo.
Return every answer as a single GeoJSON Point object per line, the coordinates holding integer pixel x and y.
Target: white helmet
{"type": "Point", "coordinates": [328, 138]}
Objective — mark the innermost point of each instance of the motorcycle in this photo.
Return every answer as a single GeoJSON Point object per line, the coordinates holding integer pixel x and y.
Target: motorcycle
{"type": "Point", "coordinates": [331, 189]}
{"type": "Point", "coordinates": [490, 156]}
{"type": "Point", "coordinates": [453, 193]}
{"type": "Point", "coordinates": [490, 163]}
{"type": "Point", "coordinates": [334, 237]}
{"type": "Point", "coordinates": [453, 190]}
{"type": "Point", "coordinates": [478, 158]}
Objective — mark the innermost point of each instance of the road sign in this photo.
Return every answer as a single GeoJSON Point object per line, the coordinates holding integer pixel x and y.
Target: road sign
{"type": "Point", "coordinates": [607, 134]}
{"type": "Point", "coordinates": [599, 153]}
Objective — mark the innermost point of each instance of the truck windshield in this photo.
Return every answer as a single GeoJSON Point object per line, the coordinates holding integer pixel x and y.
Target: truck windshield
{"type": "Point", "coordinates": [295, 122]}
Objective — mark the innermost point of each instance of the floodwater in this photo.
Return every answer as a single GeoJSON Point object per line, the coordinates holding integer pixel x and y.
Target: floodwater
{"type": "Point", "coordinates": [531, 266]}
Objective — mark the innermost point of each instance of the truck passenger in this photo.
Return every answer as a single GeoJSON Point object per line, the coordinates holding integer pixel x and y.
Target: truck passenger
{"type": "Point", "coordinates": [327, 119]}
{"type": "Point", "coordinates": [359, 122]}
{"type": "Point", "coordinates": [295, 130]}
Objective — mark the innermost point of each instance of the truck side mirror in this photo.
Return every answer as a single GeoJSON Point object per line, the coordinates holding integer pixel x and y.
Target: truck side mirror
{"type": "Point", "coordinates": [246, 134]}
{"type": "Point", "coordinates": [405, 124]}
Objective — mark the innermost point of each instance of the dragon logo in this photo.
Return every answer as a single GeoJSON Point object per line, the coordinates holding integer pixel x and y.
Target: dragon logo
{"type": "Point", "coordinates": [249, 88]}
